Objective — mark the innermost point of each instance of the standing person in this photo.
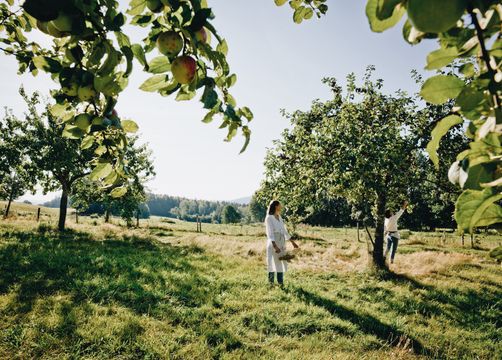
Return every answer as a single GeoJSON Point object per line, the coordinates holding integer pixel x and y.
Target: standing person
{"type": "Point", "coordinates": [392, 234]}
{"type": "Point", "coordinates": [277, 235]}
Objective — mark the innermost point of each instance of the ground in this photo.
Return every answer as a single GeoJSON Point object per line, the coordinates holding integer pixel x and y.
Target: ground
{"type": "Point", "coordinates": [164, 291]}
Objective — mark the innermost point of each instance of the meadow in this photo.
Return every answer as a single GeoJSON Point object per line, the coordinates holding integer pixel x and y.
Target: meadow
{"type": "Point", "coordinates": [165, 291]}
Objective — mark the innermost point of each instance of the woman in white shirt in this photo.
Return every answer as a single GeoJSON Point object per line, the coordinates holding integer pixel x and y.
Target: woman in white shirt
{"type": "Point", "coordinates": [277, 235]}
{"type": "Point", "coordinates": [392, 232]}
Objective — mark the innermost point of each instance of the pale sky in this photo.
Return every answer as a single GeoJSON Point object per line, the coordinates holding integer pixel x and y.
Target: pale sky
{"type": "Point", "coordinates": [278, 64]}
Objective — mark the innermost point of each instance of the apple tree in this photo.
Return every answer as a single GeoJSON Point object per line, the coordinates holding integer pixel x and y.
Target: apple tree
{"type": "Point", "coordinates": [91, 57]}
{"type": "Point", "coordinates": [17, 176]}
{"type": "Point", "coordinates": [362, 145]}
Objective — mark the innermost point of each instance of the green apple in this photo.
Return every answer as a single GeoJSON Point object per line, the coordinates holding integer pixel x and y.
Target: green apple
{"type": "Point", "coordinates": [51, 29]}
{"type": "Point", "coordinates": [71, 90]}
{"type": "Point", "coordinates": [154, 5]}
{"type": "Point", "coordinates": [63, 22]}
{"type": "Point", "coordinates": [433, 16]}
{"type": "Point", "coordinates": [169, 43]}
{"type": "Point", "coordinates": [83, 121]}
{"type": "Point", "coordinates": [86, 93]}
{"type": "Point", "coordinates": [183, 69]}
{"type": "Point", "coordinates": [201, 35]}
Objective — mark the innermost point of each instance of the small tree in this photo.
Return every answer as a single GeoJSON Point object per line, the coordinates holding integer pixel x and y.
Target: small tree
{"type": "Point", "coordinates": [230, 215]}
{"type": "Point", "coordinates": [16, 172]}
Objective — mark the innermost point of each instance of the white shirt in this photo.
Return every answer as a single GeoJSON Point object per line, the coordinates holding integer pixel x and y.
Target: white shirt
{"type": "Point", "coordinates": [391, 223]}
{"type": "Point", "coordinates": [275, 226]}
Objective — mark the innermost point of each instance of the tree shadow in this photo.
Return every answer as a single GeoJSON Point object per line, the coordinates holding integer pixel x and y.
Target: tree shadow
{"type": "Point", "coordinates": [462, 304]}
{"type": "Point", "coordinates": [367, 323]}
{"type": "Point", "coordinates": [136, 272]}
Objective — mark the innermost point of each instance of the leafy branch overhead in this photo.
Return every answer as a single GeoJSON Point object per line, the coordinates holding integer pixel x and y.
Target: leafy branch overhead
{"type": "Point", "coordinates": [91, 59]}
{"type": "Point", "coordinates": [468, 64]}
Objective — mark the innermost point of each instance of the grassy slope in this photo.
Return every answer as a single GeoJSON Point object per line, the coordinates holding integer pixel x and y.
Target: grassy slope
{"type": "Point", "coordinates": [164, 291]}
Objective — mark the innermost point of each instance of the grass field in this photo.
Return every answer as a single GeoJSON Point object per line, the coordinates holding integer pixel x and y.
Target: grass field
{"type": "Point", "coordinates": [164, 291]}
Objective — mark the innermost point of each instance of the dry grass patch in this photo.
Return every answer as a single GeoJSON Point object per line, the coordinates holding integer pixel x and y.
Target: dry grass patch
{"type": "Point", "coordinates": [430, 262]}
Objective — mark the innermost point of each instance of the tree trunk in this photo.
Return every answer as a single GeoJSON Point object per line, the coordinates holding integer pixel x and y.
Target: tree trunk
{"type": "Point", "coordinates": [378, 259]}
{"type": "Point", "coordinates": [107, 216]}
{"type": "Point", "coordinates": [11, 198]}
{"type": "Point", "coordinates": [63, 206]}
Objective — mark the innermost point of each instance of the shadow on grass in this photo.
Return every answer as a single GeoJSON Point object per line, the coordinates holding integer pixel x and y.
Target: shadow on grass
{"type": "Point", "coordinates": [135, 272]}
{"type": "Point", "coordinates": [366, 323]}
{"type": "Point", "coordinates": [461, 305]}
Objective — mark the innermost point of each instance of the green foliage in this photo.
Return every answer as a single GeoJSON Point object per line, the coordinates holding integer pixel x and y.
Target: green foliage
{"type": "Point", "coordinates": [363, 146]}
{"type": "Point", "coordinates": [230, 215]}
{"type": "Point", "coordinates": [91, 58]}
{"type": "Point", "coordinates": [126, 198]}
{"type": "Point", "coordinates": [464, 30]}
{"type": "Point", "coordinates": [305, 9]}
{"type": "Point", "coordinates": [16, 172]}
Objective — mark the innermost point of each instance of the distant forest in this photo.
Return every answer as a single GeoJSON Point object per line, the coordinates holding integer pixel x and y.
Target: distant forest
{"type": "Point", "coordinates": [173, 206]}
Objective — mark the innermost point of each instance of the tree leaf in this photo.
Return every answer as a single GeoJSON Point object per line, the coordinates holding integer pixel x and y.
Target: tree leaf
{"type": "Point", "coordinates": [478, 174]}
{"type": "Point", "coordinates": [280, 2]}
{"type": "Point", "coordinates": [440, 88]}
{"type": "Point", "coordinates": [129, 126]}
{"type": "Point", "coordinates": [385, 8]}
{"type": "Point", "coordinates": [118, 192]}
{"type": "Point", "coordinates": [378, 25]}
{"type": "Point", "coordinates": [46, 64]}
{"type": "Point", "coordinates": [476, 208]}
{"type": "Point", "coordinates": [101, 171]}
{"type": "Point", "coordinates": [440, 130]}
{"type": "Point", "coordinates": [155, 83]}
{"type": "Point", "coordinates": [442, 57]}
{"type": "Point", "coordinates": [159, 65]}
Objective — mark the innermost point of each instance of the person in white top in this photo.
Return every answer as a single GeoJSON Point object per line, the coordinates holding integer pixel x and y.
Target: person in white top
{"type": "Point", "coordinates": [391, 232]}
{"type": "Point", "coordinates": [277, 235]}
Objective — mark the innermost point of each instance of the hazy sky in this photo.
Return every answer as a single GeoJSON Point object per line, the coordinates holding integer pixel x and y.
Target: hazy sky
{"type": "Point", "coordinates": [278, 64]}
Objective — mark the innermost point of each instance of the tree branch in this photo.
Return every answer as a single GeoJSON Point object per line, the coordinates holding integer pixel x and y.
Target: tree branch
{"type": "Point", "coordinates": [484, 53]}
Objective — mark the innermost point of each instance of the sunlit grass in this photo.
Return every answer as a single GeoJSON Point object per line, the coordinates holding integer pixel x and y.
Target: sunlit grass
{"type": "Point", "coordinates": [164, 291]}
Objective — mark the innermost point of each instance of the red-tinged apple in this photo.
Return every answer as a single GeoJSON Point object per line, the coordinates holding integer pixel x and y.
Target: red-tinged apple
{"type": "Point", "coordinates": [154, 5]}
{"type": "Point", "coordinates": [170, 43]}
{"type": "Point", "coordinates": [201, 35]}
{"type": "Point", "coordinates": [86, 93]}
{"type": "Point", "coordinates": [63, 22]}
{"type": "Point", "coordinates": [183, 69]}
{"type": "Point", "coordinates": [71, 90]}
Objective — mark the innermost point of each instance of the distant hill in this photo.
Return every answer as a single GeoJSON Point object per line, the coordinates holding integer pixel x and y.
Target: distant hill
{"type": "Point", "coordinates": [242, 201]}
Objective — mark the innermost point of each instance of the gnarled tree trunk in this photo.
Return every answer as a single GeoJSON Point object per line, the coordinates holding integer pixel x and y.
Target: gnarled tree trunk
{"type": "Point", "coordinates": [63, 206]}
{"type": "Point", "coordinates": [11, 198]}
{"type": "Point", "coordinates": [378, 259]}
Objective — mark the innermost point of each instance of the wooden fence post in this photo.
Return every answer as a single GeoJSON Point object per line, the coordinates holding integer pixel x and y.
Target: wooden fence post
{"type": "Point", "coordinates": [137, 219]}
{"type": "Point", "coordinates": [38, 215]}
{"type": "Point", "coordinates": [76, 217]}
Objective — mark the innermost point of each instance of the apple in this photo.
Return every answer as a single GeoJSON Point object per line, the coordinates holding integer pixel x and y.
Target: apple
{"type": "Point", "coordinates": [53, 31]}
{"type": "Point", "coordinates": [170, 43]}
{"type": "Point", "coordinates": [63, 22]}
{"type": "Point", "coordinates": [83, 121]}
{"type": "Point", "coordinates": [201, 35]}
{"type": "Point", "coordinates": [183, 69]}
{"type": "Point", "coordinates": [154, 5]}
{"type": "Point", "coordinates": [86, 93]}
{"type": "Point", "coordinates": [71, 90]}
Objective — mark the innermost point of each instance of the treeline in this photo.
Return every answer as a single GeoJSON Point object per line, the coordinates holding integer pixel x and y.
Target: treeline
{"type": "Point", "coordinates": [175, 207]}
